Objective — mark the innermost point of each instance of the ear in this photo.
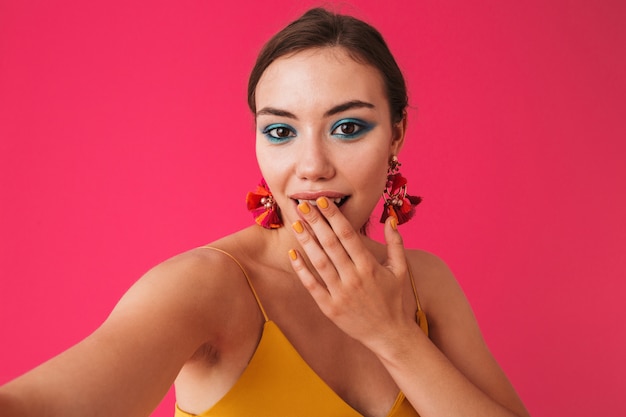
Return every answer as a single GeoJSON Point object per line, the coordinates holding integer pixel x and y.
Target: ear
{"type": "Point", "coordinates": [398, 130]}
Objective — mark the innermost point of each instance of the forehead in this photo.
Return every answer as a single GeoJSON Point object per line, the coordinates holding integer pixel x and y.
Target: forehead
{"type": "Point", "coordinates": [319, 78]}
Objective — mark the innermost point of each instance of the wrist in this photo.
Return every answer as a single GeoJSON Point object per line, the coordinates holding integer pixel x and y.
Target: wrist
{"type": "Point", "coordinates": [396, 342]}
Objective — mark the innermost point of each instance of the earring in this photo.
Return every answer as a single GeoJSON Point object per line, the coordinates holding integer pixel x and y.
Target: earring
{"type": "Point", "coordinates": [263, 207]}
{"type": "Point", "coordinates": [398, 203]}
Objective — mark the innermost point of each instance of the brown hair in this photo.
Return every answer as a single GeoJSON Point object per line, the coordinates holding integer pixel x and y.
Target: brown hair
{"type": "Point", "coordinates": [319, 28]}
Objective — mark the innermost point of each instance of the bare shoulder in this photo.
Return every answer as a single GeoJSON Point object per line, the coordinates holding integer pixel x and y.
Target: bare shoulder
{"type": "Point", "coordinates": [441, 296]}
{"type": "Point", "coordinates": [454, 330]}
{"type": "Point", "coordinates": [202, 287]}
{"type": "Point", "coordinates": [451, 321]}
{"type": "Point", "coordinates": [434, 280]}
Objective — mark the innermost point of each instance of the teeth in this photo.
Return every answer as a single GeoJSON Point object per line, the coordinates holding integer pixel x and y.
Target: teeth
{"type": "Point", "coordinates": [314, 203]}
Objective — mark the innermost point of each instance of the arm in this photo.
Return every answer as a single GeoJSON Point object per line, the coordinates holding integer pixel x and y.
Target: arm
{"type": "Point", "coordinates": [455, 359]}
{"type": "Point", "coordinates": [127, 365]}
{"type": "Point", "coordinates": [456, 375]}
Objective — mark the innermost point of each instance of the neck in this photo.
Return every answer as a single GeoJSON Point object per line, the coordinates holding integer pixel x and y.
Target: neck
{"type": "Point", "coordinates": [272, 247]}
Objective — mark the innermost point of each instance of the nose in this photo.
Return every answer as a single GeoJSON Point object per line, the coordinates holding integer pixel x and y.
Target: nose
{"type": "Point", "coordinates": [315, 160]}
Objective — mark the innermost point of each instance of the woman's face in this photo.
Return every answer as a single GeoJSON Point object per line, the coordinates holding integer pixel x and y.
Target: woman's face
{"type": "Point", "coordinates": [324, 129]}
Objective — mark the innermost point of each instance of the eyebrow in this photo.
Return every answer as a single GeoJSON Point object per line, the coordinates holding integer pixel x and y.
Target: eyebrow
{"type": "Point", "coordinates": [353, 104]}
{"type": "Point", "coordinates": [271, 111]}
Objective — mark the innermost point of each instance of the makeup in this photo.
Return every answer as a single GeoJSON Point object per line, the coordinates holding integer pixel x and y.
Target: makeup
{"type": "Point", "coordinates": [297, 226]}
{"type": "Point", "coordinates": [279, 132]}
{"type": "Point", "coordinates": [350, 128]}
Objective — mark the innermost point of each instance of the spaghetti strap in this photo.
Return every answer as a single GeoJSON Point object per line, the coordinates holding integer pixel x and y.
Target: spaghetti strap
{"type": "Point", "coordinates": [419, 314]}
{"type": "Point", "coordinates": [256, 297]}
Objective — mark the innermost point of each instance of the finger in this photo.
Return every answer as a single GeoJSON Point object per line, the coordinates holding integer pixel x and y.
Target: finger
{"type": "Point", "coordinates": [325, 233]}
{"type": "Point", "coordinates": [317, 289]}
{"type": "Point", "coordinates": [343, 231]}
{"type": "Point", "coordinates": [396, 257]}
{"type": "Point", "coordinates": [317, 256]}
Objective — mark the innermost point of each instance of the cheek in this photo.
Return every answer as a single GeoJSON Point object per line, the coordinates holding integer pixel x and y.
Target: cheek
{"type": "Point", "coordinates": [378, 182]}
{"type": "Point", "coordinates": [368, 175]}
{"type": "Point", "coordinates": [264, 158]}
{"type": "Point", "coordinates": [273, 167]}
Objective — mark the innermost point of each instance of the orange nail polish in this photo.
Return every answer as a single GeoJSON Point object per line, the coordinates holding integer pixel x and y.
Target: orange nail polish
{"type": "Point", "coordinates": [394, 223]}
{"type": "Point", "coordinates": [293, 254]}
{"type": "Point", "coordinates": [304, 207]}
{"type": "Point", "coordinates": [322, 202]}
{"type": "Point", "coordinates": [297, 226]}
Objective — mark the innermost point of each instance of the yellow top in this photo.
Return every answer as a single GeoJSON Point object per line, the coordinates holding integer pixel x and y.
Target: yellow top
{"type": "Point", "coordinates": [278, 382]}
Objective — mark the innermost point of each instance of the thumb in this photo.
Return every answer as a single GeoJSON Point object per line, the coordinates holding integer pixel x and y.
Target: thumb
{"type": "Point", "coordinates": [396, 258]}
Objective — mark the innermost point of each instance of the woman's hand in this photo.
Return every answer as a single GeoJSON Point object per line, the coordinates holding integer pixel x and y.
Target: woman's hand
{"type": "Point", "coordinates": [364, 298]}
{"type": "Point", "coordinates": [359, 294]}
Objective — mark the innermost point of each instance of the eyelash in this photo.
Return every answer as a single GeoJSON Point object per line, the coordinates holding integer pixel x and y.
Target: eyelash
{"type": "Point", "coordinates": [271, 131]}
{"type": "Point", "coordinates": [279, 139]}
{"type": "Point", "coordinates": [361, 128]}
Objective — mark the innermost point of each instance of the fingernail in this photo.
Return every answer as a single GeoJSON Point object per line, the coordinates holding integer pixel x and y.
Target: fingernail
{"type": "Point", "coordinates": [297, 226]}
{"type": "Point", "coordinates": [394, 223]}
{"type": "Point", "coordinates": [322, 202]}
{"type": "Point", "coordinates": [293, 255]}
{"type": "Point", "coordinates": [304, 207]}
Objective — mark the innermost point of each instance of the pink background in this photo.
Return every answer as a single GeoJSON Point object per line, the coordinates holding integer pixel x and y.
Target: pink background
{"type": "Point", "coordinates": [125, 138]}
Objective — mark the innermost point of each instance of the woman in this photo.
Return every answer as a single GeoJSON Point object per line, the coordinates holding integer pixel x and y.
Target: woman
{"type": "Point", "coordinates": [302, 314]}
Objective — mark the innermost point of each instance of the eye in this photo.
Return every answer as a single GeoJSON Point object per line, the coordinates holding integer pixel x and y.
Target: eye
{"type": "Point", "coordinates": [279, 132]}
{"type": "Point", "coordinates": [350, 128]}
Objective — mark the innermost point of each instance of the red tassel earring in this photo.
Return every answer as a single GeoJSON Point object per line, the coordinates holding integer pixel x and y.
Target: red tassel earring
{"type": "Point", "coordinates": [263, 207]}
{"type": "Point", "coordinates": [398, 203]}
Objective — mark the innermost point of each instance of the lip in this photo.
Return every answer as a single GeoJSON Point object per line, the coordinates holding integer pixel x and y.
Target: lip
{"type": "Point", "coordinates": [314, 195]}
{"type": "Point", "coordinates": [338, 198]}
